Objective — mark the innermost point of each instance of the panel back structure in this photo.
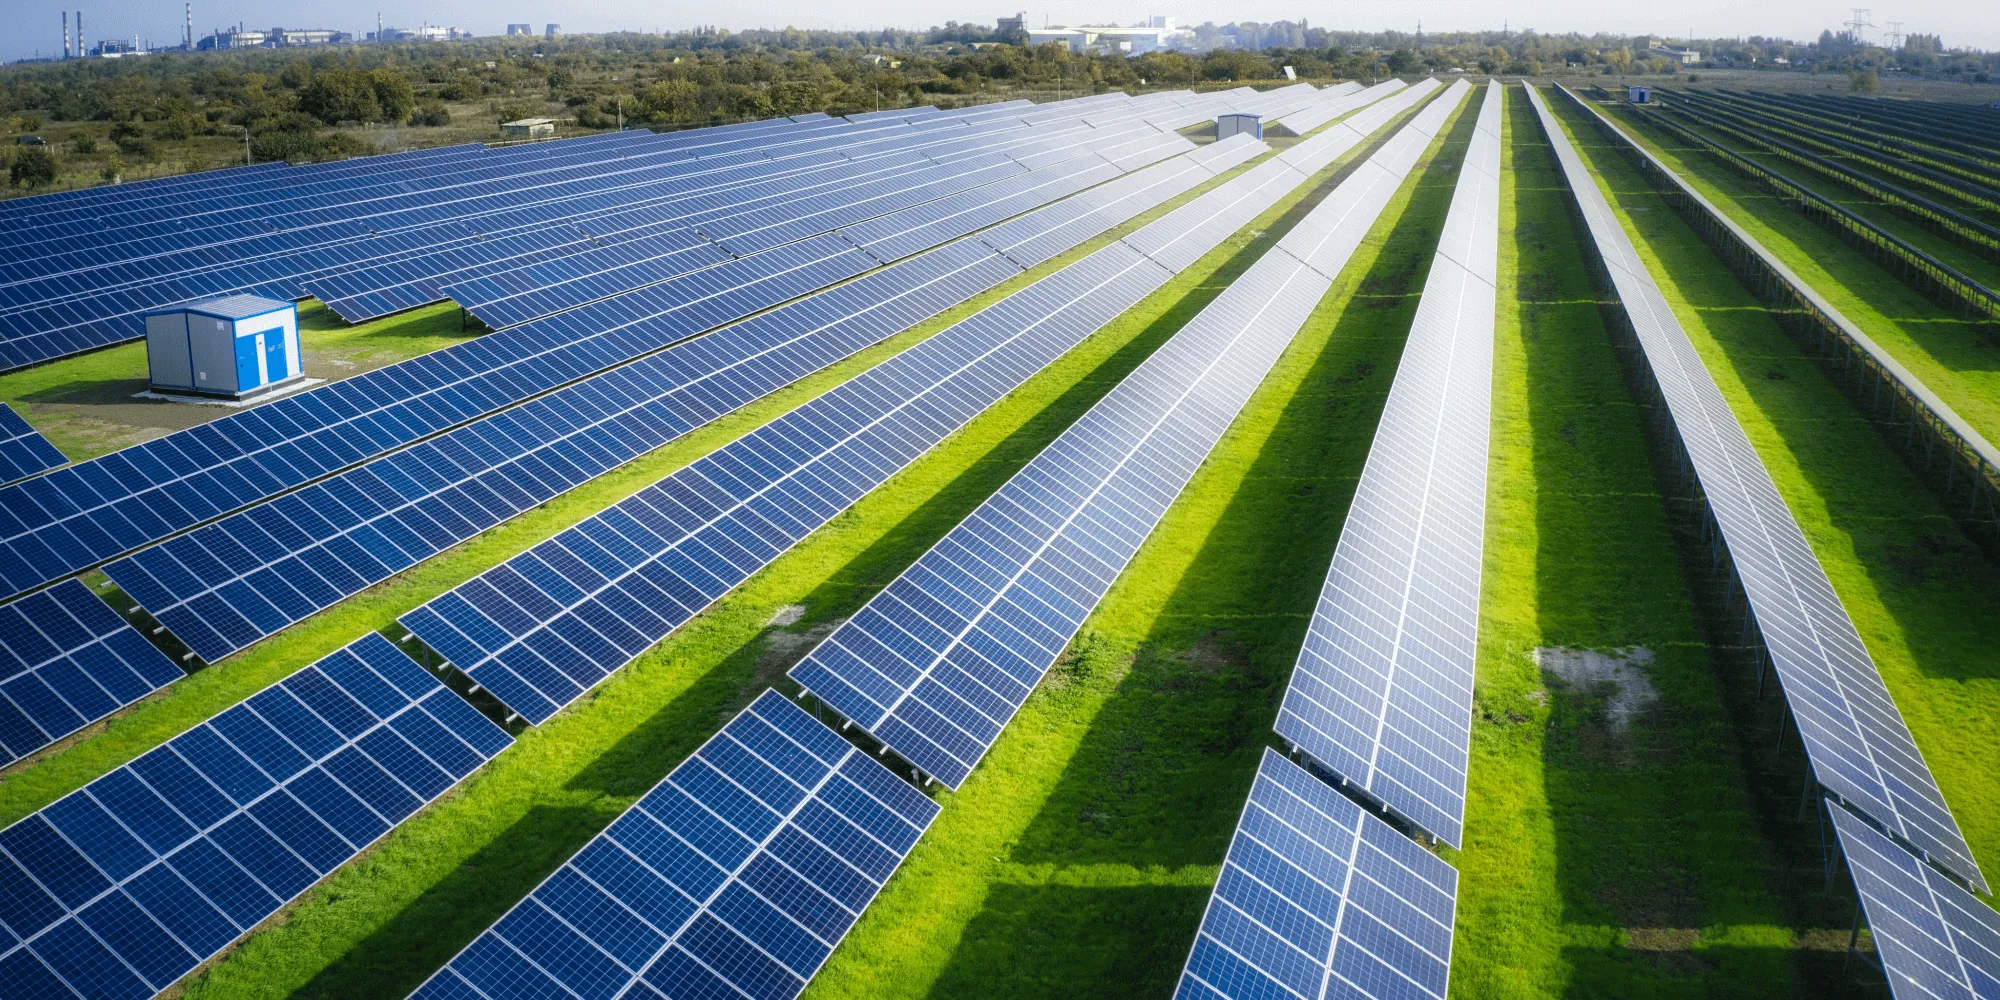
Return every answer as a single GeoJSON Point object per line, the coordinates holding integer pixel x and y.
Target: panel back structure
{"type": "Point", "coordinates": [735, 876]}
{"type": "Point", "coordinates": [936, 665]}
{"type": "Point", "coordinates": [1382, 693]}
{"type": "Point", "coordinates": [1320, 899]}
{"type": "Point", "coordinates": [1859, 746]}
{"type": "Point", "coordinates": [121, 887]}
{"type": "Point", "coordinates": [542, 629]}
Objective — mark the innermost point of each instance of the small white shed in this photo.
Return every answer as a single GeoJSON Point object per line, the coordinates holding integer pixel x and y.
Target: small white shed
{"type": "Point", "coordinates": [235, 347]}
{"type": "Point", "coordinates": [1639, 94]}
{"type": "Point", "coordinates": [1233, 124]}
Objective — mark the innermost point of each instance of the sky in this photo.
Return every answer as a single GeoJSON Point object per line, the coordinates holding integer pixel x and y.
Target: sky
{"type": "Point", "coordinates": [34, 26]}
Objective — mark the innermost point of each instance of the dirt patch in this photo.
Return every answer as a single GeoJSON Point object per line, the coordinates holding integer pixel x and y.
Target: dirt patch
{"type": "Point", "coordinates": [783, 649]}
{"type": "Point", "coordinates": [1661, 921]}
{"type": "Point", "coordinates": [1619, 677]}
{"type": "Point", "coordinates": [1214, 653]}
{"type": "Point", "coordinates": [787, 615]}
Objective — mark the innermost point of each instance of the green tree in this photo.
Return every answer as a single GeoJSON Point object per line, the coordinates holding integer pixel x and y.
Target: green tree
{"type": "Point", "coordinates": [431, 113]}
{"type": "Point", "coordinates": [33, 167]}
{"type": "Point", "coordinates": [393, 94]}
{"type": "Point", "coordinates": [296, 74]}
{"type": "Point", "coordinates": [1865, 82]}
{"type": "Point", "coordinates": [341, 95]}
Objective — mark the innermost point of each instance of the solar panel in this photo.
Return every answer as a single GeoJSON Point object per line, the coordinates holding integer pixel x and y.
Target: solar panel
{"type": "Point", "coordinates": [96, 510]}
{"type": "Point", "coordinates": [1382, 693]}
{"type": "Point", "coordinates": [1317, 898]}
{"type": "Point", "coordinates": [229, 584]}
{"type": "Point", "coordinates": [1319, 113]}
{"type": "Point", "coordinates": [66, 661]}
{"type": "Point", "coordinates": [1859, 746]}
{"type": "Point", "coordinates": [124, 288]}
{"type": "Point", "coordinates": [539, 630]}
{"type": "Point", "coordinates": [122, 887]}
{"type": "Point", "coordinates": [1934, 940]}
{"type": "Point", "coordinates": [936, 665]}
{"type": "Point", "coordinates": [23, 449]}
{"type": "Point", "coordinates": [734, 877]}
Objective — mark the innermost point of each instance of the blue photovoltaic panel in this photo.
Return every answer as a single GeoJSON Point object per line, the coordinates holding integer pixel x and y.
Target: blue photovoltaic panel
{"type": "Point", "coordinates": [23, 449]}
{"type": "Point", "coordinates": [936, 665]}
{"type": "Point", "coordinates": [66, 661]}
{"type": "Point", "coordinates": [97, 301]}
{"type": "Point", "coordinates": [549, 624]}
{"type": "Point", "coordinates": [122, 887]}
{"type": "Point", "coordinates": [1382, 694]}
{"type": "Point", "coordinates": [227, 585]}
{"type": "Point", "coordinates": [1852, 730]}
{"type": "Point", "coordinates": [75, 517]}
{"type": "Point", "coordinates": [1935, 940]}
{"type": "Point", "coordinates": [1319, 899]}
{"type": "Point", "coordinates": [734, 877]}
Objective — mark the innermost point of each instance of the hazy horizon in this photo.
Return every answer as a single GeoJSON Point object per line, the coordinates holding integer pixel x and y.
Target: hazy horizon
{"type": "Point", "coordinates": [1962, 23]}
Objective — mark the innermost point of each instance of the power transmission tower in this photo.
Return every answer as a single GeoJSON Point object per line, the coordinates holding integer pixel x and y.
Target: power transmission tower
{"type": "Point", "coordinates": [1895, 35]}
{"type": "Point", "coordinates": [1854, 27]}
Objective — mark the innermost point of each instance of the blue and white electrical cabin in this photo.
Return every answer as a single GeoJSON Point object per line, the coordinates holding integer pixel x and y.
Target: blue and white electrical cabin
{"type": "Point", "coordinates": [235, 348]}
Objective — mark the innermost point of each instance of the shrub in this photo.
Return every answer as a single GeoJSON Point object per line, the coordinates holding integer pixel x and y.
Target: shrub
{"type": "Point", "coordinates": [431, 114]}
{"type": "Point", "coordinates": [33, 167]}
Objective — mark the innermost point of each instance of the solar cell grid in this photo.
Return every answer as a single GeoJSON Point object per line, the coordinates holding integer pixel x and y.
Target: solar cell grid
{"type": "Point", "coordinates": [708, 527]}
{"type": "Point", "coordinates": [59, 329]}
{"type": "Point", "coordinates": [225, 586]}
{"type": "Point", "coordinates": [101, 301]}
{"type": "Point", "coordinates": [122, 887]}
{"type": "Point", "coordinates": [66, 661]}
{"type": "Point", "coordinates": [736, 875]}
{"type": "Point", "coordinates": [78, 516]}
{"type": "Point", "coordinates": [936, 665]}
{"type": "Point", "coordinates": [1382, 693]}
{"type": "Point", "coordinates": [1934, 940]}
{"type": "Point", "coordinates": [23, 450]}
{"type": "Point", "coordinates": [1318, 898]}
{"type": "Point", "coordinates": [1855, 736]}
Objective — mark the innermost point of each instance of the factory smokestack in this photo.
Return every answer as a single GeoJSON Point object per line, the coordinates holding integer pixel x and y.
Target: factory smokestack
{"type": "Point", "coordinates": [187, 44]}
{"type": "Point", "coordinates": [65, 34]}
{"type": "Point", "coordinates": [82, 47]}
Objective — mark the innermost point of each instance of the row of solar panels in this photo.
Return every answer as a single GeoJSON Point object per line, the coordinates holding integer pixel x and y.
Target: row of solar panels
{"type": "Point", "coordinates": [91, 295]}
{"type": "Point", "coordinates": [119, 502]}
{"type": "Point", "coordinates": [603, 422]}
{"type": "Point", "coordinates": [733, 876]}
{"type": "Point", "coordinates": [145, 872]}
{"type": "Point", "coordinates": [280, 576]}
{"type": "Point", "coordinates": [1317, 895]}
{"type": "Point", "coordinates": [99, 301]}
{"type": "Point", "coordinates": [1934, 939]}
{"type": "Point", "coordinates": [64, 522]}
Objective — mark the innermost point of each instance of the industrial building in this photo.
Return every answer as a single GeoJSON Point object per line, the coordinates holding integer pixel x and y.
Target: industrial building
{"type": "Point", "coordinates": [271, 38]}
{"type": "Point", "coordinates": [520, 29]}
{"type": "Point", "coordinates": [1158, 33]}
{"type": "Point", "coordinates": [529, 128]}
{"type": "Point", "coordinates": [423, 33]}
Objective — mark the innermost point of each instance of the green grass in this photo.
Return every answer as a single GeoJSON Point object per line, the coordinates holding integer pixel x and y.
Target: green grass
{"type": "Point", "coordinates": [381, 924]}
{"type": "Point", "coordinates": [84, 404]}
{"type": "Point", "coordinates": [1075, 862]}
{"type": "Point", "coordinates": [1965, 258]}
{"type": "Point", "coordinates": [1953, 358]}
{"type": "Point", "coordinates": [1919, 592]}
{"type": "Point", "coordinates": [1592, 866]}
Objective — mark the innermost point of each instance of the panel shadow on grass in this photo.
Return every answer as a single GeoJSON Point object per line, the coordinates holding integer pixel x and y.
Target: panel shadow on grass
{"type": "Point", "coordinates": [1673, 858]}
{"type": "Point", "coordinates": [1075, 941]}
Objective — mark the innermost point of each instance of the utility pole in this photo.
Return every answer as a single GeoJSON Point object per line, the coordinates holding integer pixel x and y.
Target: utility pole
{"type": "Point", "coordinates": [246, 144]}
{"type": "Point", "coordinates": [1855, 26]}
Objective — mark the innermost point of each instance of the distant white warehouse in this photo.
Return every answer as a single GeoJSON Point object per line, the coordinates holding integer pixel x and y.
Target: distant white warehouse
{"type": "Point", "coordinates": [1158, 33]}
